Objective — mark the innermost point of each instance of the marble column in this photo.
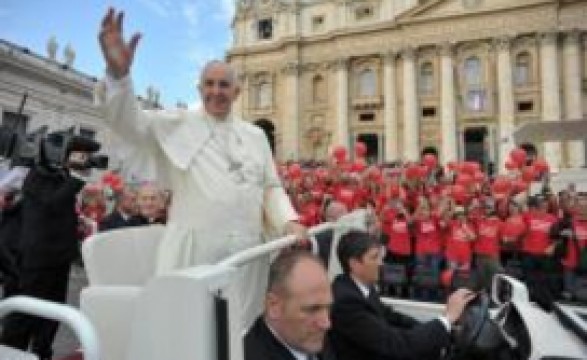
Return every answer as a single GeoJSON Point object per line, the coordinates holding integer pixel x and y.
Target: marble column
{"type": "Point", "coordinates": [505, 98]}
{"type": "Point", "coordinates": [291, 122]}
{"type": "Point", "coordinates": [573, 93]}
{"type": "Point", "coordinates": [389, 108]}
{"type": "Point", "coordinates": [342, 102]}
{"type": "Point", "coordinates": [448, 126]}
{"type": "Point", "coordinates": [411, 141]}
{"type": "Point", "coordinates": [551, 99]}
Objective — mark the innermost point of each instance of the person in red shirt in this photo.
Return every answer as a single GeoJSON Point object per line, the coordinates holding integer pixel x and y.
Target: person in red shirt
{"type": "Point", "coordinates": [428, 248]}
{"type": "Point", "coordinates": [487, 246]}
{"type": "Point", "coordinates": [537, 247]}
{"type": "Point", "coordinates": [570, 236]}
{"type": "Point", "coordinates": [399, 243]}
{"type": "Point", "coordinates": [513, 230]}
{"type": "Point", "coordinates": [458, 243]}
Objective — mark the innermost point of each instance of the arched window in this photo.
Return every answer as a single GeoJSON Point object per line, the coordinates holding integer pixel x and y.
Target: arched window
{"type": "Point", "coordinates": [475, 99]}
{"type": "Point", "coordinates": [318, 89]}
{"type": "Point", "coordinates": [367, 83]}
{"type": "Point", "coordinates": [426, 83]}
{"type": "Point", "coordinates": [264, 95]}
{"type": "Point", "coordinates": [522, 69]}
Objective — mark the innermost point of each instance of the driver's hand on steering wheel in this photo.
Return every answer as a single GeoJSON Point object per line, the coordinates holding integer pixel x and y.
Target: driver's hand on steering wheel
{"type": "Point", "coordinates": [456, 303]}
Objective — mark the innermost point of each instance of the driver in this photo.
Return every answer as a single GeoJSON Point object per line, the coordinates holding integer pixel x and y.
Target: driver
{"type": "Point", "coordinates": [364, 328]}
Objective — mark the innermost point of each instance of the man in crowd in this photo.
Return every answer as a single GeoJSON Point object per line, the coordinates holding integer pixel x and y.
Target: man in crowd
{"type": "Point", "coordinates": [125, 209]}
{"type": "Point", "coordinates": [333, 211]}
{"type": "Point", "coordinates": [219, 167]}
{"type": "Point", "coordinates": [364, 328]}
{"type": "Point", "coordinates": [150, 205]}
{"type": "Point", "coordinates": [296, 317]}
{"type": "Point", "coordinates": [47, 244]}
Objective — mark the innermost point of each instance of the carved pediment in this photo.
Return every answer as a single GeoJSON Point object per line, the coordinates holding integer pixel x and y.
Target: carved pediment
{"type": "Point", "coordinates": [434, 9]}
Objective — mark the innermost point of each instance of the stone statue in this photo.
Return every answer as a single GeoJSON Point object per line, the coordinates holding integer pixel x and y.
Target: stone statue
{"type": "Point", "coordinates": [52, 48]}
{"type": "Point", "coordinates": [69, 55]}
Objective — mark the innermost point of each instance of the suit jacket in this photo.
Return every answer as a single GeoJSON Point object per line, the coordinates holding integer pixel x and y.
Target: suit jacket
{"type": "Point", "coordinates": [116, 221]}
{"type": "Point", "coordinates": [364, 328]}
{"type": "Point", "coordinates": [49, 220]}
{"type": "Point", "coordinates": [324, 240]}
{"type": "Point", "coordinates": [261, 344]}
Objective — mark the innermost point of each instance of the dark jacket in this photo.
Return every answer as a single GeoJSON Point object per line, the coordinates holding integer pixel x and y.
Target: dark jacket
{"type": "Point", "coordinates": [49, 220]}
{"type": "Point", "coordinates": [116, 221]}
{"type": "Point", "coordinates": [261, 344]}
{"type": "Point", "coordinates": [364, 328]}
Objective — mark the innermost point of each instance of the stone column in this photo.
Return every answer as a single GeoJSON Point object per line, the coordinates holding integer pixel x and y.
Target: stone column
{"type": "Point", "coordinates": [389, 108]}
{"type": "Point", "coordinates": [573, 93]}
{"type": "Point", "coordinates": [291, 122]}
{"type": "Point", "coordinates": [240, 101]}
{"type": "Point", "coordinates": [448, 124]}
{"type": "Point", "coordinates": [551, 101]}
{"type": "Point", "coordinates": [411, 141]}
{"type": "Point", "coordinates": [505, 97]}
{"type": "Point", "coordinates": [342, 102]}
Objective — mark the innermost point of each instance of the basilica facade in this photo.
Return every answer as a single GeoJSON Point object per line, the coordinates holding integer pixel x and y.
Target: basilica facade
{"type": "Point", "coordinates": [458, 76]}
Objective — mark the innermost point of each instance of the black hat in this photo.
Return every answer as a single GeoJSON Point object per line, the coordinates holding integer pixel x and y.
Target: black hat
{"type": "Point", "coordinates": [82, 143]}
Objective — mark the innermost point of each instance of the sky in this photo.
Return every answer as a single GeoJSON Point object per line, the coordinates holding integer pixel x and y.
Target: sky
{"type": "Point", "coordinates": [179, 36]}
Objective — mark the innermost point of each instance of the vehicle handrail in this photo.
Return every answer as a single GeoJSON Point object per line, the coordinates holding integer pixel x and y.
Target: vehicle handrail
{"type": "Point", "coordinates": [243, 257]}
{"type": "Point", "coordinates": [77, 321]}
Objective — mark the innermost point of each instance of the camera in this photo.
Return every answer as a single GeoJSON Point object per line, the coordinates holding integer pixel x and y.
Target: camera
{"type": "Point", "coordinates": [48, 149]}
{"type": "Point", "coordinates": [44, 148]}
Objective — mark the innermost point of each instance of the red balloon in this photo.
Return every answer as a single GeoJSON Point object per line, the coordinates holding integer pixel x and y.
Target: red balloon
{"type": "Point", "coordinates": [339, 153]}
{"type": "Point", "coordinates": [375, 174]}
{"type": "Point", "coordinates": [360, 149]}
{"type": "Point", "coordinates": [294, 171]}
{"type": "Point", "coordinates": [430, 160]}
{"type": "Point", "coordinates": [519, 156]}
{"type": "Point", "coordinates": [528, 174]}
{"type": "Point", "coordinates": [541, 166]}
{"type": "Point", "coordinates": [510, 164]}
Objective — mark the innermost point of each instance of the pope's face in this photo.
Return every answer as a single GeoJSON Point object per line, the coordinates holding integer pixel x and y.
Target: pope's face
{"type": "Point", "coordinates": [218, 90]}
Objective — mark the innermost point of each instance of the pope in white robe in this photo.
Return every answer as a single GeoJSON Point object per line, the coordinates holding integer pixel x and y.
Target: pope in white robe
{"type": "Point", "coordinates": [220, 169]}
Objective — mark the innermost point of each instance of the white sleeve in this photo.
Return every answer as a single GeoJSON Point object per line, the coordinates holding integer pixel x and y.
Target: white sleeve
{"type": "Point", "coordinates": [139, 148]}
{"type": "Point", "coordinates": [276, 203]}
{"type": "Point", "coordinates": [13, 179]}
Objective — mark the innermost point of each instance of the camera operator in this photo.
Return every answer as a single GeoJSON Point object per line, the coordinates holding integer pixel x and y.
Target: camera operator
{"type": "Point", "coordinates": [48, 242]}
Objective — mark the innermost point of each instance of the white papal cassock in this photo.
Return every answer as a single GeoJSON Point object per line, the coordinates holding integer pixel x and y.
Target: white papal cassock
{"type": "Point", "coordinates": [225, 186]}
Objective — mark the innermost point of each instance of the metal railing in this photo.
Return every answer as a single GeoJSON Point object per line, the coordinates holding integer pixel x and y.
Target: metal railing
{"type": "Point", "coordinates": [77, 321]}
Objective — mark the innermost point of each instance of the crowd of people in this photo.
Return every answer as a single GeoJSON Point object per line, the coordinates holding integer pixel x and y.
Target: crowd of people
{"type": "Point", "coordinates": [444, 223]}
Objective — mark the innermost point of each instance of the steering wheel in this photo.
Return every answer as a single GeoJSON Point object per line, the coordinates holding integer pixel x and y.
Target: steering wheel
{"type": "Point", "coordinates": [476, 334]}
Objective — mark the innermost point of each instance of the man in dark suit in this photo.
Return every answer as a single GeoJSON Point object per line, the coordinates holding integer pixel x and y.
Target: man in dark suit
{"type": "Point", "coordinates": [48, 243]}
{"type": "Point", "coordinates": [122, 215]}
{"type": "Point", "coordinates": [364, 328]}
{"type": "Point", "coordinates": [296, 316]}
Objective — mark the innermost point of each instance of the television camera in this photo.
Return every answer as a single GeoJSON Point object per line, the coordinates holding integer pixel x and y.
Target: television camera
{"type": "Point", "coordinates": [44, 148]}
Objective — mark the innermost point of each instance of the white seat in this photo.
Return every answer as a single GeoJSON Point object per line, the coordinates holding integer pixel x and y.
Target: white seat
{"type": "Point", "coordinates": [118, 264]}
{"type": "Point", "coordinates": [13, 354]}
{"type": "Point", "coordinates": [122, 257]}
